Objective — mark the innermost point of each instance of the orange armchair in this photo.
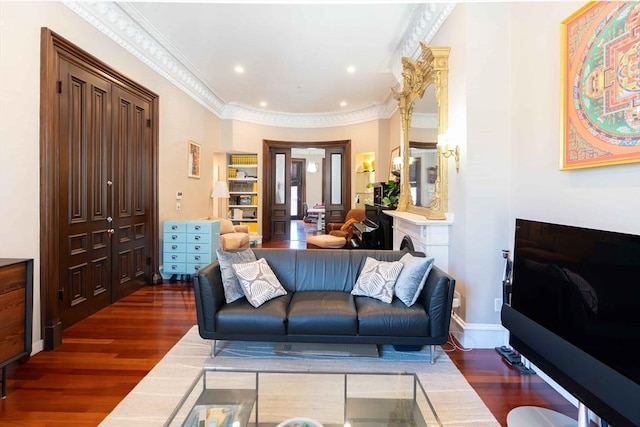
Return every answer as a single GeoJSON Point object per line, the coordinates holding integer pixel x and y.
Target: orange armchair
{"type": "Point", "coordinates": [344, 229]}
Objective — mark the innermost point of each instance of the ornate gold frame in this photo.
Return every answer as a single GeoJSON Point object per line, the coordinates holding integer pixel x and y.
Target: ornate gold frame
{"type": "Point", "coordinates": [431, 67]}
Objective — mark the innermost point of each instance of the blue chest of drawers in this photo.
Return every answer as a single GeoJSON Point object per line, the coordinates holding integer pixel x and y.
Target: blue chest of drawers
{"type": "Point", "coordinates": [189, 245]}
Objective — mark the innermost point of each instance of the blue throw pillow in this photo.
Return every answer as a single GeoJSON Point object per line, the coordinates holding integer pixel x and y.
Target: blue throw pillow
{"type": "Point", "coordinates": [412, 278]}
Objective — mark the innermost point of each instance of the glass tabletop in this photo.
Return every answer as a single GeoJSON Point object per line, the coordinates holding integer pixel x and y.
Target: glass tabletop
{"type": "Point", "coordinates": [239, 398]}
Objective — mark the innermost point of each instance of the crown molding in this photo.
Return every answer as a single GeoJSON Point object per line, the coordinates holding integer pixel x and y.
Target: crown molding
{"type": "Point", "coordinates": [318, 120]}
{"type": "Point", "coordinates": [127, 28]}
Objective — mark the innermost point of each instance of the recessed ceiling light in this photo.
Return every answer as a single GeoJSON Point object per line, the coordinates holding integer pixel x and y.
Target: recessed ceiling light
{"type": "Point", "coordinates": [351, 69]}
{"type": "Point", "coordinates": [343, 104]}
{"type": "Point", "coordinates": [239, 69]}
{"type": "Point", "coordinates": [263, 104]}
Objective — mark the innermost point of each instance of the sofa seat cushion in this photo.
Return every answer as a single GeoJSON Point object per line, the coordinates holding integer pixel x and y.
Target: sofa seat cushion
{"type": "Point", "coordinates": [377, 318]}
{"type": "Point", "coordinates": [240, 317]}
{"type": "Point", "coordinates": [322, 313]}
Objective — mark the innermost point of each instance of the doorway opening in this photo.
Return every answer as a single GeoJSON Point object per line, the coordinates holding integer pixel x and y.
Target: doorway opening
{"type": "Point", "coordinates": [284, 200]}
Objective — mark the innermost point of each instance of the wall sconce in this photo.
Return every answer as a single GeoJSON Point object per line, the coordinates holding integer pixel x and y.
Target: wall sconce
{"type": "Point", "coordinates": [447, 152]}
{"type": "Point", "coordinates": [455, 152]}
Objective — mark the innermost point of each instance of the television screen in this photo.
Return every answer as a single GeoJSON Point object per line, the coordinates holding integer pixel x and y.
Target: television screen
{"type": "Point", "coordinates": [575, 312]}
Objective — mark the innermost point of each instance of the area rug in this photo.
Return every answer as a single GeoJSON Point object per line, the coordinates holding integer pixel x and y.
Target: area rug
{"type": "Point", "coordinates": [151, 402]}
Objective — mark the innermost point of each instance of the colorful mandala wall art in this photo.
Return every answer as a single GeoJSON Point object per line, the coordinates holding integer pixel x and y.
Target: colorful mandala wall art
{"type": "Point", "coordinates": [601, 85]}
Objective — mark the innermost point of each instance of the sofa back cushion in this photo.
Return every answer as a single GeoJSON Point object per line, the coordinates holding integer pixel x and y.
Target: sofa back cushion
{"type": "Point", "coordinates": [282, 263]}
{"type": "Point", "coordinates": [321, 270]}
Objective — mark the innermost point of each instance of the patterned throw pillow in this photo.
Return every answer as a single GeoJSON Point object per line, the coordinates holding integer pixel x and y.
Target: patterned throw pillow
{"type": "Point", "coordinates": [258, 282]}
{"type": "Point", "coordinates": [377, 278]}
{"type": "Point", "coordinates": [232, 289]}
{"type": "Point", "coordinates": [412, 278]}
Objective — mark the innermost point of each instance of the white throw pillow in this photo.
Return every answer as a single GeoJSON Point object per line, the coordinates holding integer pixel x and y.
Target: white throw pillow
{"type": "Point", "coordinates": [377, 279]}
{"type": "Point", "coordinates": [232, 289]}
{"type": "Point", "coordinates": [412, 278]}
{"type": "Point", "coordinates": [258, 282]}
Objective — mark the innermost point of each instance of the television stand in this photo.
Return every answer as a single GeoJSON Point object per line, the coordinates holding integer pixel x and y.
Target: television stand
{"type": "Point", "coordinates": [533, 416]}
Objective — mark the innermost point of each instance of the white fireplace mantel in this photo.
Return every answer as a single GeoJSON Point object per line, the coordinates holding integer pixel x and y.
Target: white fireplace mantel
{"type": "Point", "coordinates": [428, 236]}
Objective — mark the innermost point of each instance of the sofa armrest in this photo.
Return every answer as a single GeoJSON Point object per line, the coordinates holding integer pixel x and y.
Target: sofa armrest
{"type": "Point", "coordinates": [241, 228]}
{"type": "Point", "coordinates": [209, 296]}
{"type": "Point", "coordinates": [437, 298]}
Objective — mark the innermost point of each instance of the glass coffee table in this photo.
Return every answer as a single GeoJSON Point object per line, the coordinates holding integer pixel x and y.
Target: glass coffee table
{"type": "Point", "coordinates": [238, 398]}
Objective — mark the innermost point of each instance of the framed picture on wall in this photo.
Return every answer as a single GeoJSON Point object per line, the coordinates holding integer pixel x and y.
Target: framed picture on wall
{"type": "Point", "coordinates": [194, 159]}
{"type": "Point", "coordinates": [600, 86]}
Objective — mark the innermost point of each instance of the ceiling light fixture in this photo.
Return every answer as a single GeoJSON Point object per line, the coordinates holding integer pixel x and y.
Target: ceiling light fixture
{"type": "Point", "coordinates": [343, 104]}
{"type": "Point", "coordinates": [263, 104]}
{"type": "Point", "coordinates": [351, 69]}
{"type": "Point", "coordinates": [239, 69]}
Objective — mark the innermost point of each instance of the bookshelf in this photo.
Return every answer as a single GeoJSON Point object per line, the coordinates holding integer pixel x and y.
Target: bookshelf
{"type": "Point", "coordinates": [242, 177]}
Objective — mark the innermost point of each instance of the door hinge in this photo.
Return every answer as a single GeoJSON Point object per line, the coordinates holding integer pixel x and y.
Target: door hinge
{"type": "Point", "coordinates": [60, 294]}
{"type": "Point", "coordinates": [59, 86]}
{"type": "Point", "coordinates": [148, 260]}
{"type": "Point", "coordinates": [148, 123]}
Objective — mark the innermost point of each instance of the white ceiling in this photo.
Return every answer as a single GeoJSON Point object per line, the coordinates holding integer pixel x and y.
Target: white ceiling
{"type": "Point", "coordinates": [295, 56]}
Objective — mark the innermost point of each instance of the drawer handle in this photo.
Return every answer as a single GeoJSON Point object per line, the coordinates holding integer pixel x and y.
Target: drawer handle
{"type": "Point", "coordinates": [174, 227]}
{"type": "Point", "coordinates": [197, 257]}
{"type": "Point", "coordinates": [174, 267]}
{"type": "Point", "coordinates": [196, 267]}
{"type": "Point", "coordinates": [174, 236]}
{"type": "Point", "coordinates": [174, 246]}
{"type": "Point", "coordinates": [197, 247]}
{"type": "Point", "coordinates": [174, 256]}
{"type": "Point", "coordinates": [197, 237]}
{"type": "Point", "coordinates": [197, 227]}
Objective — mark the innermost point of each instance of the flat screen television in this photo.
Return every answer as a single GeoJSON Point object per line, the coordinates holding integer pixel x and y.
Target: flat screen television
{"type": "Point", "coordinates": [574, 312]}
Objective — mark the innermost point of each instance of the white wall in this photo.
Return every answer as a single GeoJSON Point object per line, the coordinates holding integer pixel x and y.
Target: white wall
{"type": "Point", "coordinates": [181, 119]}
{"type": "Point", "coordinates": [504, 94]}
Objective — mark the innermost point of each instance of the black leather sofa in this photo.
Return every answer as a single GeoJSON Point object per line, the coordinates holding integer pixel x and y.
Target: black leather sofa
{"type": "Point", "coordinates": [319, 307]}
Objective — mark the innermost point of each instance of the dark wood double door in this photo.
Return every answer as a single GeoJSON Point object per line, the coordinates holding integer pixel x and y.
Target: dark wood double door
{"type": "Point", "coordinates": [336, 186]}
{"type": "Point", "coordinates": [102, 164]}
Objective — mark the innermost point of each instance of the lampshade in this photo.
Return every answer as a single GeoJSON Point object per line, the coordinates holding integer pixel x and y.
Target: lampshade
{"type": "Point", "coordinates": [220, 190]}
{"type": "Point", "coordinates": [312, 167]}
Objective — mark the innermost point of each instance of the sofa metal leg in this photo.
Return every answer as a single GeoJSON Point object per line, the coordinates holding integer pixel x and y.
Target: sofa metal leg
{"type": "Point", "coordinates": [433, 354]}
{"type": "Point", "coordinates": [213, 348]}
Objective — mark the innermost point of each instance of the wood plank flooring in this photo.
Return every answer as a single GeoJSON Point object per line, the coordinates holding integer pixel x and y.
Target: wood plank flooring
{"type": "Point", "coordinates": [104, 356]}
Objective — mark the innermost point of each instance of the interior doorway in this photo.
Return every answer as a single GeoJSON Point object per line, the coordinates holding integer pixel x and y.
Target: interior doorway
{"type": "Point", "coordinates": [298, 188]}
{"type": "Point", "coordinates": [277, 174]}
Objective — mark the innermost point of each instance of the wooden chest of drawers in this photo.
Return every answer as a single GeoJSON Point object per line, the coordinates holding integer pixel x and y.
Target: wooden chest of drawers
{"type": "Point", "coordinates": [16, 311]}
{"type": "Point", "coordinates": [189, 245]}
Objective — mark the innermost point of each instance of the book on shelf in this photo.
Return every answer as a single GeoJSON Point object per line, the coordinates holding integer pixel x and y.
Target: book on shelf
{"type": "Point", "coordinates": [244, 159]}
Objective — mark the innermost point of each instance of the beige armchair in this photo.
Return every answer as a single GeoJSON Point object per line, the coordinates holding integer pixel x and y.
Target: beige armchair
{"type": "Point", "coordinates": [233, 236]}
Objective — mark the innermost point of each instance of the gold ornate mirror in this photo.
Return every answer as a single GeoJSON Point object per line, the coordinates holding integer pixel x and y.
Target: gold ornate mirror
{"type": "Point", "coordinates": [431, 68]}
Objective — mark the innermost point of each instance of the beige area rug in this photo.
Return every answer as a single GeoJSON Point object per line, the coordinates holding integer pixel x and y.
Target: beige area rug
{"type": "Point", "coordinates": [152, 401]}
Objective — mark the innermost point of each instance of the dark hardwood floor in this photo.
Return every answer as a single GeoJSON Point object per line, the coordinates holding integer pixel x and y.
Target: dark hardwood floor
{"type": "Point", "coordinates": [104, 356]}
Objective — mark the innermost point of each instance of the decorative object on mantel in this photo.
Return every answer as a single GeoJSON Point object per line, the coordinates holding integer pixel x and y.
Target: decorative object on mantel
{"type": "Point", "coordinates": [431, 68]}
{"type": "Point", "coordinates": [600, 97]}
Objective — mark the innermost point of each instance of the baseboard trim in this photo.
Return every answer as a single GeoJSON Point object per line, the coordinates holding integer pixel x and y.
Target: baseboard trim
{"type": "Point", "coordinates": [478, 335]}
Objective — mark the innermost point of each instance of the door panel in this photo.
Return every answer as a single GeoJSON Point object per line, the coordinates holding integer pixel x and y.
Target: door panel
{"type": "Point", "coordinates": [132, 178]}
{"type": "Point", "coordinates": [336, 186]}
{"type": "Point", "coordinates": [280, 208]}
{"type": "Point", "coordinates": [83, 160]}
